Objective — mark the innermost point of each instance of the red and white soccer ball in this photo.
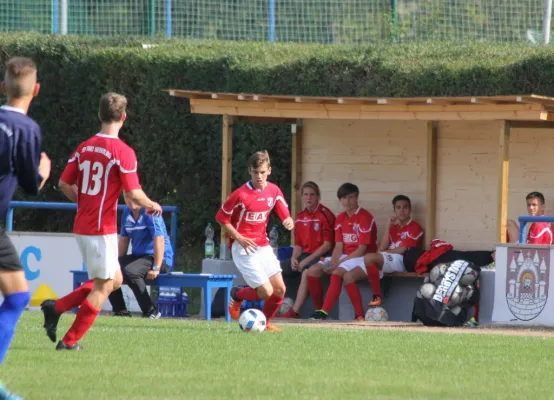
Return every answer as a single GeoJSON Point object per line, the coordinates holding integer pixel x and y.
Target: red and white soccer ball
{"type": "Point", "coordinates": [286, 306]}
{"type": "Point", "coordinates": [469, 277]}
{"type": "Point", "coordinates": [376, 314]}
{"type": "Point", "coordinates": [252, 320]}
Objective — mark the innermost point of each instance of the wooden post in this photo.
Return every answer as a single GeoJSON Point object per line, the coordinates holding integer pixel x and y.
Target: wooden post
{"type": "Point", "coordinates": [431, 188]}
{"type": "Point", "coordinates": [296, 171]}
{"type": "Point", "coordinates": [226, 165]}
{"type": "Point", "coordinates": [503, 164]}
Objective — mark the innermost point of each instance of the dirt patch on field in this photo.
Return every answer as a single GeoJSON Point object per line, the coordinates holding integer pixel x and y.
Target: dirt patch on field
{"type": "Point", "coordinates": [410, 326]}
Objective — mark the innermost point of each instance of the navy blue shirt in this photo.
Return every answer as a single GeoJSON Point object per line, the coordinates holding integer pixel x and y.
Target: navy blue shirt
{"type": "Point", "coordinates": [20, 148]}
{"type": "Point", "coordinates": [142, 231]}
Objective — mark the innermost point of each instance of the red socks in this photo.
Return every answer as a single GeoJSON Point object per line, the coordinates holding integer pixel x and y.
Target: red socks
{"type": "Point", "coordinates": [84, 320]}
{"type": "Point", "coordinates": [247, 293]}
{"type": "Point", "coordinates": [271, 306]}
{"type": "Point", "coordinates": [75, 298]}
{"type": "Point", "coordinates": [374, 277]}
{"type": "Point", "coordinates": [355, 298]}
{"type": "Point", "coordinates": [333, 293]}
{"type": "Point", "coordinates": [316, 291]}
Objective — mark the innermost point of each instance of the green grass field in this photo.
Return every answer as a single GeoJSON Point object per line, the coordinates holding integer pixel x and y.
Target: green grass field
{"type": "Point", "coordinates": [135, 358]}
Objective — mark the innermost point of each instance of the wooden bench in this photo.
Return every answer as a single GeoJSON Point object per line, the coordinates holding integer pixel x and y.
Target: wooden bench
{"type": "Point", "coordinates": [175, 279]}
{"type": "Point", "coordinates": [407, 274]}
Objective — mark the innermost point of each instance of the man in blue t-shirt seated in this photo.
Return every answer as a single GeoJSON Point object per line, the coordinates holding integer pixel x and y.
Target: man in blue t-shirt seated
{"type": "Point", "coordinates": [151, 254]}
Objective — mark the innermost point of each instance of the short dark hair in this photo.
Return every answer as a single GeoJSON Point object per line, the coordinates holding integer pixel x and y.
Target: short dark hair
{"type": "Point", "coordinates": [535, 195]}
{"type": "Point", "coordinates": [346, 189]}
{"type": "Point", "coordinates": [258, 158]}
{"type": "Point", "coordinates": [311, 185]}
{"type": "Point", "coordinates": [20, 77]}
{"type": "Point", "coordinates": [401, 197]}
{"type": "Point", "coordinates": [112, 107]}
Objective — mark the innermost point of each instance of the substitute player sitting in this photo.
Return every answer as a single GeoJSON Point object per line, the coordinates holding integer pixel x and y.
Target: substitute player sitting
{"type": "Point", "coordinates": [313, 239]}
{"type": "Point", "coordinates": [244, 216]}
{"type": "Point", "coordinates": [401, 233]}
{"type": "Point", "coordinates": [355, 235]}
{"type": "Point", "coordinates": [538, 232]}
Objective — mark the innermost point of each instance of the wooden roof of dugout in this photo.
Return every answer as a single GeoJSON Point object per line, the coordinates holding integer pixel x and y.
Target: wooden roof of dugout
{"type": "Point", "coordinates": [278, 108]}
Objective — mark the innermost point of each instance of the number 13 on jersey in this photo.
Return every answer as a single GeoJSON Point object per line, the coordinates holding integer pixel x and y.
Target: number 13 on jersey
{"type": "Point", "coordinates": [92, 177]}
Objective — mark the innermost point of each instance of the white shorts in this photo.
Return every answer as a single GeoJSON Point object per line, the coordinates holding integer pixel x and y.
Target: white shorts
{"type": "Point", "coordinates": [256, 268]}
{"type": "Point", "coordinates": [391, 263]}
{"type": "Point", "coordinates": [347, 265]}
{"type": "Point", "coordinates": [100, 255]}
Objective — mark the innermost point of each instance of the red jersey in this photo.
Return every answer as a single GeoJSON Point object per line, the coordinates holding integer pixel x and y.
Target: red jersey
{"type": "Point", "coordinates": [100, 167]}
{"type": "Point", "coordinates": [356, 230]}
{"type": "Point", "coordinates": [311, 230]}
{"type": "Point", "coordinates": [410, 235]}
{"type": "Point", "coordinates": [248, 209]}
{"type": "Point", "coordinates": [539, 233]}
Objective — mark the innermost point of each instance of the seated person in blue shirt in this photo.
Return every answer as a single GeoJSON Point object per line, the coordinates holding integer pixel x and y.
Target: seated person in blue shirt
{"type": "Point", "coordinates": [151, 254]}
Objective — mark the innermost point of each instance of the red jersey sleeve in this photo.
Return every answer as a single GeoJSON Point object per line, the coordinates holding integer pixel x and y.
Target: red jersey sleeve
{"type": "Point", "coordinates": [328, 225]}
{"type": "Point", "coordinates": [539, 233]}
{"type": "Point", "coordinates": [225, 213]}
{"type": "Point", "coordinates": [128, 170]}
{"type": "Point", "coordinates": [367, 230]}
{"type": "Point", "coordinates": [338, 231]}
{"type": "Point", "coordinates": [281, 206]}
{"type": "Point", "coordinates": [414, 236]}
{"type": "Point", "coordinates": [71, 171]}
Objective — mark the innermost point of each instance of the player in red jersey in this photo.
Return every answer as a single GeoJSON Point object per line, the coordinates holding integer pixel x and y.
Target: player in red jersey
{"type": "Point", "coordinates": [314, 238]}
{"type": "Point", "coordinates": [537, 232]}
{"type": "Point", "coordinates": [401, 233]}
{"type": "Point", "coordinates": [94, 177]}
{"type": "Point", "coordinates": [244, 216]}
{"type": "Point", "coordinates": [355, 235]}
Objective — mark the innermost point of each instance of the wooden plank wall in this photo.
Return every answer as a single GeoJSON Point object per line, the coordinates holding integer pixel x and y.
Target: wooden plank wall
{"type": "Point", "coordinates": [383, 158]}
{"type": "Point", "coordinates": [531, 168]}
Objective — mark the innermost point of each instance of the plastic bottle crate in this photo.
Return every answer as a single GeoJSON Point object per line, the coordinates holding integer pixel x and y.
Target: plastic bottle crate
{"type": "Point", "coordinates": [248, 304]}
{"type": "Point", "coordinates": [172, 309]}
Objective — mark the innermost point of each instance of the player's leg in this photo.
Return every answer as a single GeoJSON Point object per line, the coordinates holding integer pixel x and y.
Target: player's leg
{"type": "Point", "coordinates": [103, 266]}
{"type": "Point", "coordinates": [272, 269]}
{"type": "Point", "coordinates": [247, 266]}
{"type": "Point", "coordinates": [15, 290]}
{"type": "Point", "coordinates": [373, 265]}
{"type": "Point", "coordinates": [333, 293]}
{"type": "Point", "coordinates": [135, 273]}
{"type": "Point", "coordinates": [350, 279]}
{"type": "Point", "coordinates": [315, 287]}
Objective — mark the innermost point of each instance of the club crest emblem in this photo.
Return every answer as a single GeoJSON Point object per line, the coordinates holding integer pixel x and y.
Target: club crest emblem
{"type": "Point", "coordinates": [270, 202]}
{"type": "Point", "coordinates": [527, 282]}
{"type": "Point", "coordinates": [403, 235]}
{"type": "Point", "coordinates": [316, 226]}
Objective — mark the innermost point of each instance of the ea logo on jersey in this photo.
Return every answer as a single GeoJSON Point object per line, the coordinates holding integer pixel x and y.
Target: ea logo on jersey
{"type": "Point", "coordinates": [270, 201]}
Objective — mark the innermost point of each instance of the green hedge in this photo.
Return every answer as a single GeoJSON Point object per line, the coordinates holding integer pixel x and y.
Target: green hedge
{"type": "Point", "coordinates": [180, 153]}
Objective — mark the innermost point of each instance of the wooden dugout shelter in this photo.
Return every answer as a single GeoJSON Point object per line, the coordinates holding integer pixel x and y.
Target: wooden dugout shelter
{"type": "Point", "coordinates": [450, 155]}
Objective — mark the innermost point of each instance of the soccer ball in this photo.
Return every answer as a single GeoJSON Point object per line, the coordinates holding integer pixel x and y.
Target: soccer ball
{"type": "Point", "coordinates": [469, 277]}
{"type": "Point", "coordinates": [286, 306]}
{"type": "Point", "coordinates": [456, 297]}
{"type": "Point", "coordinates": [437, 273]}
{"type": "Point", "coordinates": [456, 310]}
{"type": "Point", "coordinates": [468, 293]}
{"type": "Point", "coordinates": [252, 320]}
{"type": "Point", "coordinates": [376, 314]}
{"type": "Point", "coordinates": [426, 291]}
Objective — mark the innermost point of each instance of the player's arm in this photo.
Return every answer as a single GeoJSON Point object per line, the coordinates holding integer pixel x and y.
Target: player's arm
{"type": "Point", "coordinates": [282, 210]}
{"type": "Point", "coordinates": [321, 250]}
{"type": "Point", "coordinates": [140, 198]}
{"type": "Point", "coordinates": [413, 239]}
{"type": "Point", "coordinates": [296, 252]}
{"type": "Point", "coordinates": [155, 228]}
{"type": "Point", "coordinates": [32, 167]}
{"type": "Point", "coordinates": [385, 240]}
{"type": "Point", "coordinates": [339, 247]}
{"type": "Point", "coordinates": [131, 186]}
{"type": "Point", "coordinates": [124, 239]}
{"type": "Point", "coordinates": [68, 180]}
{"type": "Point", "coordinates": [223, 218]}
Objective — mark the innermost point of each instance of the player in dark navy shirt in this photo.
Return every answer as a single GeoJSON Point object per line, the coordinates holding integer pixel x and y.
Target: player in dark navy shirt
{"type": "Point", "coordinates": [21, 161]}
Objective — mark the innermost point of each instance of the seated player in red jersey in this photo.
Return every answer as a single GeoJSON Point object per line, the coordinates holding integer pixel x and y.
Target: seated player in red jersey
{"type": "Point", "coordinates": [537, 232]}
{"type": "Point", "coordinates": [355, 235]}
{"type": "Point", "coordinates": [314, 238]}
{"type": "Point", "coordinates": [401, 234]}
{"type": "Point", "coordinates": [244, 216]}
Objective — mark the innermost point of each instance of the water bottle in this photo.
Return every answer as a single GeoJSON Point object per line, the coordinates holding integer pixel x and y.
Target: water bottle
{"type": "Point", "coordinates": [209, 245]}
{"type": "Point", "coordinates": [274, 239]}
